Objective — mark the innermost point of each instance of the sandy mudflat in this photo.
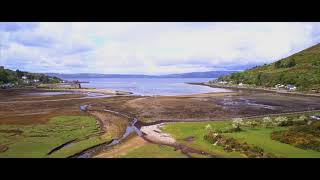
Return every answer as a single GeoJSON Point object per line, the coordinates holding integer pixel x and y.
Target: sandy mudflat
{"type": "Point", "coordinates": [103, 91]}
{"type": "Point", "coordinates": [154, 133]}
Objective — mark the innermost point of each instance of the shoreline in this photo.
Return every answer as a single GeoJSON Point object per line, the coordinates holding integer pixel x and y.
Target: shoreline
{"type": "Point", "coordinates": [82, 90]}
{"type": "Point", "coordinates": [255, 89]}
{"type": "Point", "coordinates": [102, 91]}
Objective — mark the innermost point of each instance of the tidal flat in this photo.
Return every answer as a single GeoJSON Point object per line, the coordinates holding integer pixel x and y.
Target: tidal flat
{"type": "Point", "coordinates": [22, 110]}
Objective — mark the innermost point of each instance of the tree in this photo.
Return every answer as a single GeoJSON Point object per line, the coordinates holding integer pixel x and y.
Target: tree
{"type": "Point", "coordinates": [278, 64]}
{"type": "Point", "coordinates": [281, 121]}
{"type": "Point", "coordinates": [258, 80]}
{"type": "Point", "coordinates": [19, 73]}
{"type": "Point", "coordinates": [237, 123]}
{"type": "Point", "coordinates": [291, 63]}
{"type": "Point", "coordinates": [4, 76]}
{"type": "Point", "coordinates": [44, 79]}
{"type": "Point", "coordinates": [267, 122]}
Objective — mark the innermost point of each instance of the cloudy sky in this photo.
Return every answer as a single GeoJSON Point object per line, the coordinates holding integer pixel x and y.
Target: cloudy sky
{"type": "Point", "coordinates": [149, 48]}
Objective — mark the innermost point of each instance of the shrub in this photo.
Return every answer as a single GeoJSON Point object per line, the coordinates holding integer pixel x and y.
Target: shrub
{"type": "Point", "coordinates": [302, 136]}
{"type": "Point", "coordinates": [291, 63]}
{"type": "Point", "coordinates": [313, 129]}
{"type": "Point", "coordinates": [282, 121]}
{"type": "Point", "coordinates": [3, 148]}
{"type": "Point", "coordinates": [303, 118]}
{"type": "Point", "coordinates": [297, 139]}
{"type": "Point", "coordinates": [237, 123]}
{"type": "Point", "coordinates": [252, 124]}
{"type": "Point", "coordinates": [230, 144]}
{"type": "Point", "coordinates": [267, 122]}
{"type": "Point", "coordinates": [208, 127]}
{"type": "Point", "coordinates": [316, 125]}
{"type": "Point", "coordinates": [212, 137]}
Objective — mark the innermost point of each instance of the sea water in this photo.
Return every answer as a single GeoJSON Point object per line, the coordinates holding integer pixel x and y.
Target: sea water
{"type": "Point", "coordinates": [151, 86]}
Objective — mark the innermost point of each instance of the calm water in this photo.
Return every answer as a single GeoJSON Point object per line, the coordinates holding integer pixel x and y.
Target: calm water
{"type": "Point", "coordinates": [151, 86]}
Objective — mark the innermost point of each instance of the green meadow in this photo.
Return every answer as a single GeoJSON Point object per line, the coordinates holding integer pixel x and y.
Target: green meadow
{"type": "Point", "coordinates": [257, 136]}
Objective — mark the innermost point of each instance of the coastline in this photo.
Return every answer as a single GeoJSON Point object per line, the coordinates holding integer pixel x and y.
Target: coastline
{"type": "Point", "coordinates": [256, 89]}
{"type": "Point", "coordinates": [91, 90]}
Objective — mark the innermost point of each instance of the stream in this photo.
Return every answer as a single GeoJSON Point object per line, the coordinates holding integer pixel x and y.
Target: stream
{"type": "Point", "coordinates": [131, 128]}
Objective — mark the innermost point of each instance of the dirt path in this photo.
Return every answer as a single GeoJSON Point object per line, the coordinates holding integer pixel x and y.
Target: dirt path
{"type": "Point", "coordinates": [123, 148]}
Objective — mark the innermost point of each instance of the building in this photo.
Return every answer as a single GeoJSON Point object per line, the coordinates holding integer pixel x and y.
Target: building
{"type": "Point", "coordinates": [75, 85]}
{"type": "Point", "coordinates": [316, 117]}
{"type": "Point", "coordinates": [5, 86]}
{"type": "Point", "coordinates": [291, 87]}
{"type": "Point", "coordinates": [24, 77]}
{"type": "Point", "coordinates": [279, 86]}
{"type": "Point", "coordinates": [223, 82]}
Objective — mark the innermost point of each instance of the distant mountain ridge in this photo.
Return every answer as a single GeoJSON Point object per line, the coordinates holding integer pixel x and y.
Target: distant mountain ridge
{"type": "Point", "coordinates": [208, 74]}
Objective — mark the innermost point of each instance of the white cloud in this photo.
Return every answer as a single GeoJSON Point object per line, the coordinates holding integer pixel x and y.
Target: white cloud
{"type": "Point", "coordinates": [153, 48]}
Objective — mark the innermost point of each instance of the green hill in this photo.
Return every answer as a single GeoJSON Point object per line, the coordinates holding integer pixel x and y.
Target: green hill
{"type": "Point", "coordinates": [301, 69]}
{"type": "Point", "coordinates": [10, 78]}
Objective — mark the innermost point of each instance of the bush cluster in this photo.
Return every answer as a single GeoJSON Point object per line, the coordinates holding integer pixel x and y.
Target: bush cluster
{"type": "Point", "coordinates": [285, 64]}
{"type": "Point", "coordinates": [279, 121]}
{"type": "Point", "coordinates": [301, 136]}
{"type": "Point", "coordinates": [3, 148]}
{"type": "Point", "coordinates": [230, 144]}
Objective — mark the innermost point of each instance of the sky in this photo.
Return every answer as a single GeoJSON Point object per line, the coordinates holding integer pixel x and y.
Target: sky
{"type": "Point", "coordinates": [152, 48]}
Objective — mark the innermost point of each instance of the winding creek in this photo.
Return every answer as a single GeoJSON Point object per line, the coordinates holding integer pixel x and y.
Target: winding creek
{"type": "Point", "coordinates": [131, 128]}
{"type": "Point", "coordinates": [134, 127]}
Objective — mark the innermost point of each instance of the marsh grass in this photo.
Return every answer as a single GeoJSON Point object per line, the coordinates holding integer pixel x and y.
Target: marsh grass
{"type": "Point", "coordinates": [38, 140]}
{"type": "Point", "coordinates": [154, 151]}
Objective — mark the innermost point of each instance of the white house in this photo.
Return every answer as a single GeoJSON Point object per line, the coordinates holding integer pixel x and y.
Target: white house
{"type": "Point", "coordinates": [24, 77]}
{"type": "Point", "coordinates": [279, 86]}
{"type": "Point", "coordinates": [291, 87]}
{"type": "Point", "coordinates": [315, 117]}
{"type": "Point", "coordinates": [223, 82]}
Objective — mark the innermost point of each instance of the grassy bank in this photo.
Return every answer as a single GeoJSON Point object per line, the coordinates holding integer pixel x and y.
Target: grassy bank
{"type": "Point", "coordinates": [38, 140]}
{"type": "Point", "coordinates": [154, 151]}
{"type": "Point", "coordinates": [257, 136]}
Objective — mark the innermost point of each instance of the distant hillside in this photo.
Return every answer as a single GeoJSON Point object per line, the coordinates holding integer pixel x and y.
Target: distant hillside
{"type": "Point", "coordinates": [209, 74]}
{"type": "Point", "coordinates": [301, 69]}
{"type": "Point", "coordinates": [88, 75]}
{"type": "Point", "coordinates": [10, 78]}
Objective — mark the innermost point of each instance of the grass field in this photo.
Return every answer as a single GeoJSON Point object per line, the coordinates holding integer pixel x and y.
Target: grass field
{"type": "Point", "coordinates": [154, 151]}
{"type": "Point", "coordinates": [38, 140]}
{"type": "Point", "coordinates": [182, 130]}
{"type": "Point", "coordinates": [258, 136]}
